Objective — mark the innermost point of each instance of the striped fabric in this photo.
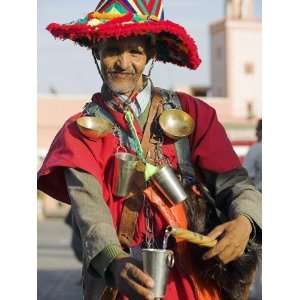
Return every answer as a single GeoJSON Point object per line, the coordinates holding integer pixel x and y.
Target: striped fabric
{"type": "Point", "coordinates": [138, 7]}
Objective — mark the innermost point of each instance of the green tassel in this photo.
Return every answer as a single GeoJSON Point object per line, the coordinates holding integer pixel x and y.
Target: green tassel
{"type": "Point", "coordinates": [150, 170]}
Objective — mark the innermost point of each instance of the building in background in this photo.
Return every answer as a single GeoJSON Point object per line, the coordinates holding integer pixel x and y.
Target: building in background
{"type": "Point", "coordinates": [235, 89]}
{"type": "Point", "coordinates": [236, 59]}
{"type": "Point", "coordinates": [53, 111]}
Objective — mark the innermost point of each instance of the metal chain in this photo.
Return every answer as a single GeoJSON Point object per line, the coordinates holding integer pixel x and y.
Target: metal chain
{"type": "Point", "coordinates": [149, 216]}
{"type": "Point", "coordinates": [159, 157]}
{"type": "Point", "coordinates": [116, 131]}
{"type": "Point", "coordinates": [158, 139]}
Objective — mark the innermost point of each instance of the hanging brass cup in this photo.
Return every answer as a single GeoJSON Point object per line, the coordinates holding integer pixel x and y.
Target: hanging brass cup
{"type": "Point", "coordinates": [94, 127]}
{"type": "Point", "coordinates": [176, 123]}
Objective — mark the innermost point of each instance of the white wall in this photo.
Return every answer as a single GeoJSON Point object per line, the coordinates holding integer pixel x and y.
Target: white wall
{"type": "Point", "coordinates": [244, 40]}
{"type": "Point", "coordinates": [218, 61]}
{"type": "Point", "coordinates": [240, 44]}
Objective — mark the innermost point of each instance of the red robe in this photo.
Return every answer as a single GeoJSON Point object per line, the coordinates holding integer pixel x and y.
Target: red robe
{"type": "Point", "coordinates": [210, 147]}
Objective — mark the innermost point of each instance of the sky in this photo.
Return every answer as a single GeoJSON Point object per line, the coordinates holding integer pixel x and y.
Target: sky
{"type": "Point", "coordinates": [69, 69]}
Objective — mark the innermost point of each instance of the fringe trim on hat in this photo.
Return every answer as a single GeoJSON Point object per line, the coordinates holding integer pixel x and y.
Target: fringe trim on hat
{"type": "Point", "coordinates": [183, 52]}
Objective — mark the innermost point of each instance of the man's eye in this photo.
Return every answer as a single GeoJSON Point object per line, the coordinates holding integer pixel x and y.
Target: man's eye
{"type": "Point", "coordinates": [135, 51]}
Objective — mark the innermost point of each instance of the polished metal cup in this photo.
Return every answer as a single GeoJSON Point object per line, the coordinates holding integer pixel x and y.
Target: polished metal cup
{"type": "Point", "coordinates": [124, 169]}
{"type": "Point", "coordinates": [167, 182]}
{"type": "Point", "coordinates": [157, 263]}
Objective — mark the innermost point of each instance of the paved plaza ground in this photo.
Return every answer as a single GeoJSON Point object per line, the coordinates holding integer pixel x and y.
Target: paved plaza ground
{"type": "Point", "coordinates": [59, 272]}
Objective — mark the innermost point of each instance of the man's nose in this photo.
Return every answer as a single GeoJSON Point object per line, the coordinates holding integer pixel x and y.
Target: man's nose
{"type": "Point", "coordinates": [123, 61]}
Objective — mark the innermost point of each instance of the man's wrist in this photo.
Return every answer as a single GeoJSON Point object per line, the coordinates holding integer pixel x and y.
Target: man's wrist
{"type": "Point", "coordinates": [103, 260]}
{"type": "Point", "coordinates": [253, 229]}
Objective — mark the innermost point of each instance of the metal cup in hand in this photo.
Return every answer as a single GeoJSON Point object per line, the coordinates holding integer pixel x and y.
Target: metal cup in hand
{"type": "Point", "coordinates": [124, 169]}
{"type": "Point", "coordinates": [157, 263]}
{"type": "Point", "coordinates": [167, 182]}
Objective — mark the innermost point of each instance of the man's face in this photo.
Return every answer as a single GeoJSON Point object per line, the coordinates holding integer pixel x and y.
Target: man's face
{"type": "Point", "coordinates": [123, 62]}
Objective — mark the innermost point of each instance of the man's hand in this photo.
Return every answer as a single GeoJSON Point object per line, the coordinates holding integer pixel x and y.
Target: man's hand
{"type": "Point", "coordinates": [130, 279]}
{"type": "Point", "coordinates": [235, 237]}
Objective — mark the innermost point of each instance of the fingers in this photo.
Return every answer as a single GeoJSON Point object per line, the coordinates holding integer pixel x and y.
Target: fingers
{"type": "Point", "coordinates": [142, 277]}
{"type": "Point", "coordinates": [217, 231]}
{"type": "Point", "coordinates": [216, 250]}
{"type": "Point", "coordinates": [139, 290]}
{"type": "Point", "coordinates": [234, 238]}
{"type": "Point", "coordinates": [136, 283]}
{"type": "Point", "coordinates": [229, 254]}
{"type": "Point", "coordinates": [227, 250]}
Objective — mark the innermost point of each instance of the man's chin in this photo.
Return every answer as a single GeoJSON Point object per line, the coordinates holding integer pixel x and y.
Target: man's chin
{"type": "Point", "coordinates": [121, 89]}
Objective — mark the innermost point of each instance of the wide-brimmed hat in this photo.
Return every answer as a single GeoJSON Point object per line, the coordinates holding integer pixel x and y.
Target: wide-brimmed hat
{"type": "Point", "coordinates": [124, 18]}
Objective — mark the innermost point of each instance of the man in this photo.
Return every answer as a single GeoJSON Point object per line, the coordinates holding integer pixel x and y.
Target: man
{"type": "Point", "coordinates": [253, 159]}
{"type": "Point", "coordinates": [253, 164]}
{"type": "Point", "coordinates": [124, 36]}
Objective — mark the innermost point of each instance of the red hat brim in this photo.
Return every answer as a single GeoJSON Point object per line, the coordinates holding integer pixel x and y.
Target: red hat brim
{"type": "Point", "coordinates": [173, 43]}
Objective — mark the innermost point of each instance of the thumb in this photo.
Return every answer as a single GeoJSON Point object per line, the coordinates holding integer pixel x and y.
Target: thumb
{"type": "Point", "coordinates": [217, 231]}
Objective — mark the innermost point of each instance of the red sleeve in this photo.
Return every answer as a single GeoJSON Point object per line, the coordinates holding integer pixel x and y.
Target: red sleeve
{"type": "Point", "coordinates": [68, 149]}
{"type": "Point", "coordinates": [211, 148]}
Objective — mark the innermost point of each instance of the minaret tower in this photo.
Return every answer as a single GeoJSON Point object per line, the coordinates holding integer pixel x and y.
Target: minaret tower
{"type": "Point", "coordinates": [236, 58]}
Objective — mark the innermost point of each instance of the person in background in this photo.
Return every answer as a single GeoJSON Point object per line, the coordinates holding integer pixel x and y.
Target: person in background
{"type": "Point", "coordinates": [253, 159]}
{"type": "Point", "coordinates": [253, 164]}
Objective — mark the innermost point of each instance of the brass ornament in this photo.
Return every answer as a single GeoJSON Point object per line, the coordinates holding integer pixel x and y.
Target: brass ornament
{"type": "Point", "coordinates": [176, 123]}
{"type": "Point", "coordinates": [93, 127]}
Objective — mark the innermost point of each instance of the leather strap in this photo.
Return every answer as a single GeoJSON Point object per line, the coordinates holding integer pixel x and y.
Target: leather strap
{"type": "Point", "coordinates": [156, 102]}
{"type": "Point", "coordinates": [133, 203]}
{"type": "Point", "coordinates": [130, 212]}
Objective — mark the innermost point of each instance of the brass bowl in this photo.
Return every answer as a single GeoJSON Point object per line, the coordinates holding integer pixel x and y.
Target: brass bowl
{"type": "Point", "coordinates": [176, 123]}
{"type": "Point", "coordinates": [93, 127]}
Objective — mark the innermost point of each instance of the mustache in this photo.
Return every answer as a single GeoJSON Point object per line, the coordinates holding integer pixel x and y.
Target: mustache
{"type": "Point", "coordinates": [121, 71]}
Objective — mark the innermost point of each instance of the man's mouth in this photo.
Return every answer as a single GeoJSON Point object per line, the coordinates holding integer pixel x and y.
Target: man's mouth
{"type": "Point", "coordinates": [121, 74]}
